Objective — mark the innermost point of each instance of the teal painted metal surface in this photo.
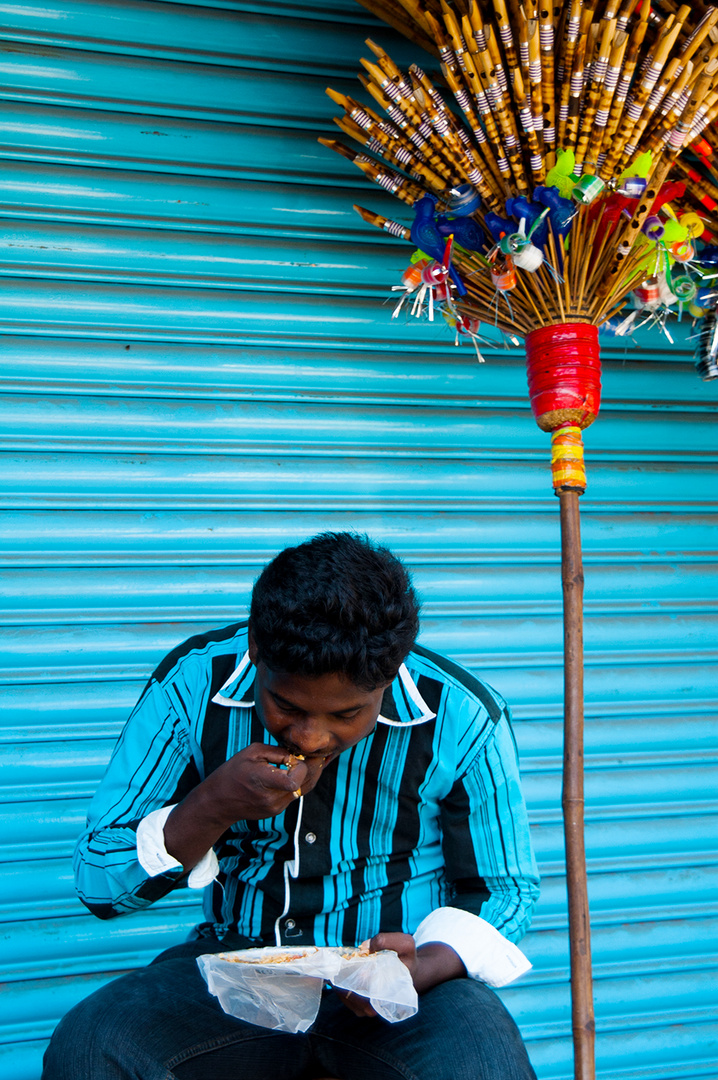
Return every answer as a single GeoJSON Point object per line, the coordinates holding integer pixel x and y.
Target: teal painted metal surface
{"type": "Point", "coordinates": [198, 368]}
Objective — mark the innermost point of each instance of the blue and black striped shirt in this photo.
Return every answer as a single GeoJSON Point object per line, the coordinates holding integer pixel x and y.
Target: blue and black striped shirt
{"type": "Point", "coordinates": [427, 811]}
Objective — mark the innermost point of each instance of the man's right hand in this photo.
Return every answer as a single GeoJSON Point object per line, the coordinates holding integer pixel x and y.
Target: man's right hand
{"type": "Point", "coordinates": [260, 781]}
{"type": "Point", "coordinates": [251, 785]}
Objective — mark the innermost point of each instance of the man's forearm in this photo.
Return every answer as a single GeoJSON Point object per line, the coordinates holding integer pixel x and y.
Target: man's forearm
{"type": "Point", "coordinates": [193, 827]}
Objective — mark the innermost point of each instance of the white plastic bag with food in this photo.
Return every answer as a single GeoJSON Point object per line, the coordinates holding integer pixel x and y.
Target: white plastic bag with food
{"type": "Point", "coordinates": [281, 988]}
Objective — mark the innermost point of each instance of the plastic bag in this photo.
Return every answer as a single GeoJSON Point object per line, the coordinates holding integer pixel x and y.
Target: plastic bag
{"type": "Point", "coordinates": [286, 996]}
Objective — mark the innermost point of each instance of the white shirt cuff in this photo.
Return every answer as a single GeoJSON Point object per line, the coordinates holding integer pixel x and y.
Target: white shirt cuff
{"type": "Point", "coordinates": [487, 955]}
{"type": "Point", "coordinates": [154, 858]}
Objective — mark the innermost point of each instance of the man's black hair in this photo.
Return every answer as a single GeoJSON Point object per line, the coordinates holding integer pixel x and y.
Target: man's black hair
{"type": "Point", "coordinates": [338, 603]}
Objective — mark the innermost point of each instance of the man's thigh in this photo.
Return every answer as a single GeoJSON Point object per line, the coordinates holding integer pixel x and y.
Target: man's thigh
{"type": "Point", "coordinates": [461, 1032]}
{"type": "Point", "coordinates": [161, 1022]}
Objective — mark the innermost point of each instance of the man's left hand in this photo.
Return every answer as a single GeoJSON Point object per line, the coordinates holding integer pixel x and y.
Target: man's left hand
{"type": "Point", "coordinates": [428, 966]}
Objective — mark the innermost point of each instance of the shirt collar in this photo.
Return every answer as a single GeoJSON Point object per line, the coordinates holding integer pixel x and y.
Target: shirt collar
{"type": "Point", "coordinates": [402, 704]}
{"type": "Point", "coordinates": [239, 687]}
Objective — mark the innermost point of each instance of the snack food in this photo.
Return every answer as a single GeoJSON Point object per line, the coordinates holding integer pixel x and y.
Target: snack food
{"type": "Point", "coordinates": [281, 987]}
{"type": "Point", "coordinates": [277, 956]}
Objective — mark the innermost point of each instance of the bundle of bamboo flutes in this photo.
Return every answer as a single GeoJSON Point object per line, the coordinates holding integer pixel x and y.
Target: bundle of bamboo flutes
{"type": "Point", "coordinates": [542, 170]}
{"type": "Point", "coordinates": [576, 111]}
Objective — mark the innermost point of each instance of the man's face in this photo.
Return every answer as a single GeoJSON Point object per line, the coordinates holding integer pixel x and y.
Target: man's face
{"type": "Point", "coordinates": [317, 717]}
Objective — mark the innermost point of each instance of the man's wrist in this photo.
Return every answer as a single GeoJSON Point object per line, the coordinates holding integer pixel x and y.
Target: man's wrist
{"type": "Point", "coordinates": [485, 952]}
{"type": "Point", "coordinates": [436, 963]}
{"type": "Point", "coordinates": [194, 825]}
{"type": "Point", "coordinates": [154, 858]}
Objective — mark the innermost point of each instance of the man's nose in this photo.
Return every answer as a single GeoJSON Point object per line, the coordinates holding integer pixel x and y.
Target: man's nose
{"type": "Point", "coordinates": [310, 735]}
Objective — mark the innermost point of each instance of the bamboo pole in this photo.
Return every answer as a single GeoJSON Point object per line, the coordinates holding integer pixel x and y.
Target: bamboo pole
{"type": "Point", "coordinates": [572, 800]}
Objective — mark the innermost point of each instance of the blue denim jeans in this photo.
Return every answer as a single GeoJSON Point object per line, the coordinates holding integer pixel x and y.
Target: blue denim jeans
{"type": "Point", "coordinates": [161, 1023]}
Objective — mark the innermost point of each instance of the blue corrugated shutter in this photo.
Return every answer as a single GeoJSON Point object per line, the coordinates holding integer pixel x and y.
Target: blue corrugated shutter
{"type": "Point", "coordinates": [197, 369]}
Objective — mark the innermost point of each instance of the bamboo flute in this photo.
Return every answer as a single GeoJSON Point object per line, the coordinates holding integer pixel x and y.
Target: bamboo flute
{"type": "Point", "coordinates": [416, 169]}
{"type": "Point", "coordinates": [494, 46]}
{"type": "Point", "coordinates": [680, 95]}
{"type": "Point", "coordinates": [464, 50]}
{"type": "Point", "coordinates": [535, 77]}
{"type": "Point", "coordinates": [505, 35]}
{"type": "Point", "coordinates": [391, 181]}
{"type": "Point", "coordinates": [625, 13]}
{"type": "Point", "coordinates": [522, 34]}
{"type": "Point", "coordinates": [509, 140]}
{"type": "Point", "coordinates": [416, 134]}
{"type": "Point", "coordinates": [382, 138]}
{"type": "Point", "coordinates": [653, 68]}
{"type": "Point", "coordinates": [630, 63]}
{"type": "Point", "coordinates": [398, 93]}
{"type": "Point", "coordinates": [436, 115]}
{"type": "Point", "coordinates": [598, 76]}
{"type": "Point", "coordinates": [670, 80]}
{"type": "Point", "coordinates": [451, 26]}
{"type": "Point", "coordinates": [467, 103]}
{"type": "Point", "coordinates": [608, 90]}
{"type": "Point", "coordinates": [365, 117]}
{"type": "Point", "coordinates": [572, 30]}
{"type": "Point", "coordinates": [390, 12]}
{"type": "Point", "coordinates": [546, 47]}
{"type": "Point", "coordinates": [536, 160]}
{"type": "Point", "coordinates": [476, 45]}
{"type": "Point", "coordinates": [363, 126]}
{"type": "Point", "coordinates": [577, 80]}
{"type": "Point", "coordinates": [705, 114]}
{"type": "Point", "coordinates": [394, 228]}
{"type": "Point", "coordinates": [493, 137]}
{"type": "Point", "coordinates": [682, 131]}
{"type": "Point", "coordinates": [389, 68]}
{"type": "Point", "coordinates": [503, 92]}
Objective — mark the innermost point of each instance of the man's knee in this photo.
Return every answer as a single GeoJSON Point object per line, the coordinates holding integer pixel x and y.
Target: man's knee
{"type": "Point", "coordinates": [462, 1031]}
{"type": "Point", "coordinates": [482, 1034]}
{"type": "Point", "coordinates": [85, 1041]}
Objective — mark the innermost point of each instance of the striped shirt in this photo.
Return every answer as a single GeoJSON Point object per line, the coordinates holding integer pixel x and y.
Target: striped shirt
{"type": "Point", "coordinates": [425, 812]}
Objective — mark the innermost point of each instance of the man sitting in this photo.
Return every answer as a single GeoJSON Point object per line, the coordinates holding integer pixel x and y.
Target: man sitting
{"type": "Point", "coordinates": [327, 781]}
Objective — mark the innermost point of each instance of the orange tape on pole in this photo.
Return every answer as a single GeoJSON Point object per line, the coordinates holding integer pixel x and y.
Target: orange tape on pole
{"type": "Point", "coordinates": [567, 466]}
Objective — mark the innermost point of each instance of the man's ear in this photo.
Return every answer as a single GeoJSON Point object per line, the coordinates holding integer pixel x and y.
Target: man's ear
{"type": "Point", "coordinates": [252, 646]}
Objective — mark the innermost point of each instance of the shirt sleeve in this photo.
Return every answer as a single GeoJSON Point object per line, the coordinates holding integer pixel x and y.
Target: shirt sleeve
{"type": "Point", "coordinates": [490, 867]}
{"type": "Point", "coordinates": [486, 954]}
{"type": "Point", "coordinates": [151, 767]}
{"type": "Point", "coordinates": [154, 857]}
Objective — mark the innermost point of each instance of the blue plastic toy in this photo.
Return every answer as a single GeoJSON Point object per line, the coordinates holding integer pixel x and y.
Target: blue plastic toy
{"type": "Point", "coordinates": [498, 225]}
{"type": "Point", "coordinates": [427, 237]}
{"type": "Point", "coordinates": [562, 213]}
{"type": "Point", "coordinates": [519, 208]}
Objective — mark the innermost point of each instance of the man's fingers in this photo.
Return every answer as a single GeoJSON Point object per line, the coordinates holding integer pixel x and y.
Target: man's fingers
{"type": "Point", "coordinates": [284, 779]}
{"type": "Point", "coordinates": [274, 755]}
{"type": "Point", "coordinates": [403, 944]}
{"type": "Point", "coordinates": [314, 768]}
